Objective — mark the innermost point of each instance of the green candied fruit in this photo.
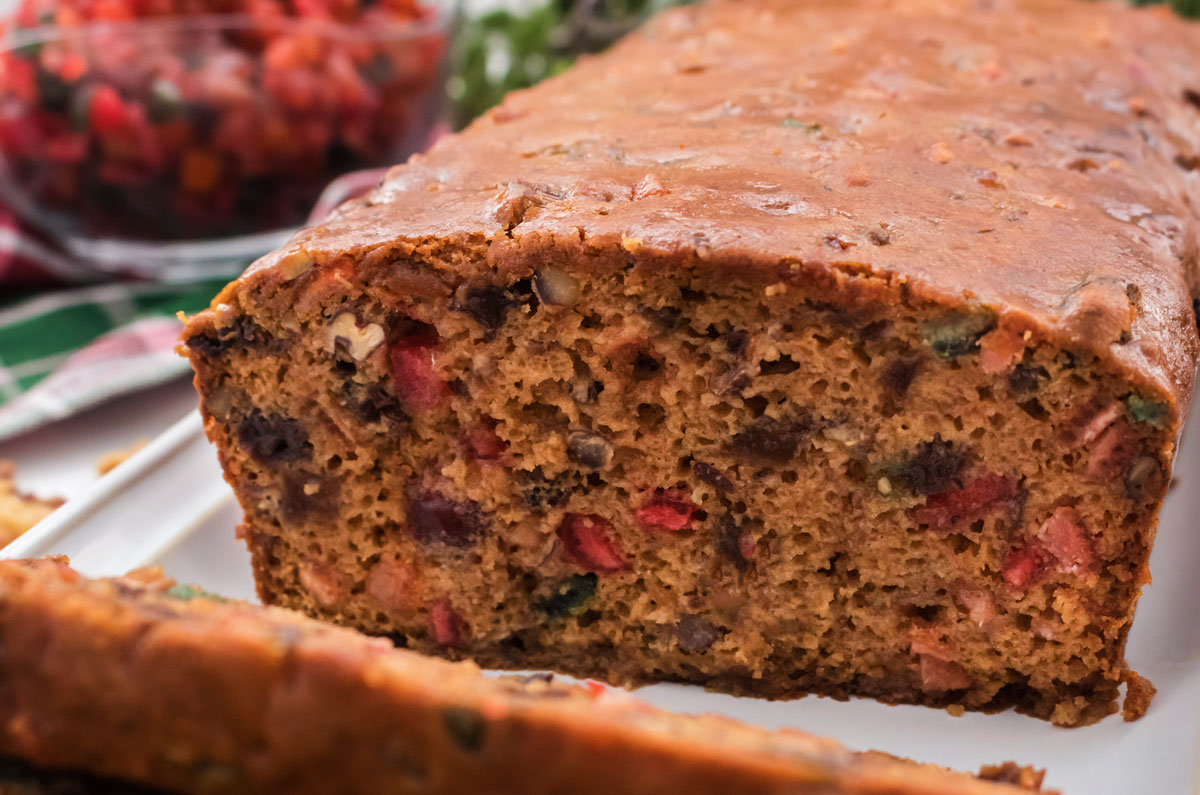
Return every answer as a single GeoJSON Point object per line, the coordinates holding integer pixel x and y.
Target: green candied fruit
{"type": "Point", "coordinates": [796, 124]}
{"type": "Point", "coordinates": [954, 335]}
{"type": "Point", "coordinates": [570, 597]}
{"type": "Point", "coordinates": [1151, 412]}
{"type": "Point", "coordinates": [186, 593]}
{"type": "Point", "coordinates": [466, 727]}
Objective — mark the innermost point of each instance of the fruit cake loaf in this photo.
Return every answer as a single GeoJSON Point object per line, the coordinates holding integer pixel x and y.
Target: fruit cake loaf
{"type": "Point", "coordinates": [145, 680]}
{"type": "Point", "coordinates": [789, 347]}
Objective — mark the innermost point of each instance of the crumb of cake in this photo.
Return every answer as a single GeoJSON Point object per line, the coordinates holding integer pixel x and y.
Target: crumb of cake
{"type": "Point", "coordinates": [1139, 692]}
{"type": "Point", "coordinates": [111, 460]}
{"type": "Point", "coordinates": [19, 511]}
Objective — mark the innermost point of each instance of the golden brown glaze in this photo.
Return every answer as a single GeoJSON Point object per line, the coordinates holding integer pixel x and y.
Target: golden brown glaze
{"type": "Point", "coordinates": [1035, 156]}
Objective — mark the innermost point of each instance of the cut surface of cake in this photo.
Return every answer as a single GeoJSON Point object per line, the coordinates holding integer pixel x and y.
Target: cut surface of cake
{"type": "Point", "coordinates": [145, 680]}
{"type": "Point", "coordinates": [789, 347]}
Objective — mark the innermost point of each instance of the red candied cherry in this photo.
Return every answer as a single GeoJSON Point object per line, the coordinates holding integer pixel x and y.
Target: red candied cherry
{"type": "Point", "coordinates": [587, 541]}
{"type": "Point", "coordinates": [483, 443]}
{"type": "Point", "coordinates": [1089, 421]}
{"type": "Point", "coordinates": [20, 80]}
{"type": "Point", "coordinates": [73, 67]}
{"type": "Point", "coordinates": [18, 137]}
{"type": "Point", "coordinates": [414, 371]}
{"type": "Point", "coordinates": [394, 584]}
{"type": "Point", "coordinates": [1065, 537]}
{"type": "Point", "coordinates": [323, 582]}
{"type": "Point", "coordinates": [67, 148]}
{"type": "Point", "coordinates": [935, 660]}
{"type": "Point", "coordinates": [666, 511]}
{"type": "Point", "coordinates": [1112, 452]}
{"type": "Point", "coordinates": [981, 605]}
{"type": "Point", "coordinates": [446, 625]}
{"type": "Point", "coordinates": [1000, 349]}
{"type": "Point", "coordinates": [940, 676]}
{"type": "Point", "coordinates": [974, 500]}
{"type": "Point", "coordinates": [107, 113]}
{"type": "Point", "coordinates": [1022, 566]}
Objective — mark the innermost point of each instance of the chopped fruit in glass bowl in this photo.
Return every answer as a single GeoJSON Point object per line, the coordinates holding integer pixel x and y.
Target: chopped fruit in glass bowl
{"type": "Point", "coordinates": [169, 120]}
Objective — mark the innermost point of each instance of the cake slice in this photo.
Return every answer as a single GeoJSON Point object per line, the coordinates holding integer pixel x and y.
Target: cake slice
{"type": "Point", "coordinates": [788, 347]}
{"type": "Point", "coordinates": [144, 680]}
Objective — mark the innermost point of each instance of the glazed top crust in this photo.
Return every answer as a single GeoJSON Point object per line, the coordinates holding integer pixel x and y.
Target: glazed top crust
{"type": "Point", "coordinates": [1039, 157]}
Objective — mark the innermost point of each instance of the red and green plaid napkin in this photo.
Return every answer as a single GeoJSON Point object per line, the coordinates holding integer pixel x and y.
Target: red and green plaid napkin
{"type": "Point", "coordinates": [64, 351]}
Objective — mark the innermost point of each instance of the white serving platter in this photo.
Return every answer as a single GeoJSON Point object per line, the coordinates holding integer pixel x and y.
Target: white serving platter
{"type": "Point", "coordinates": [168, 505]}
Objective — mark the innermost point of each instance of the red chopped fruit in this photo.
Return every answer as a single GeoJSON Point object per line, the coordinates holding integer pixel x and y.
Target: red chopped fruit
{"type": "Point", "coordinates": [73, 67]}
{"type": "Point", "coordinates": [981, 605]}
{"type": "Point", "coordinates": [20, 80]}
{"type": "Point", "coordinates": [199, 171]}
{"type": "Point", "coordinates": [1022, 566]}
{"type": "Point", "coordinates": [67, 148]}
{"type": "Point", "coordinates": [286, 109]}
{"type": "Point", "coordinates": [928, 641]}
{"type": "Point", "coordinates": [667, 512]}
{"type": "Point", "coordinates": [483, 443]}
{"type": "Point", "coordinates": [974, 500]}
{"type": "Point", "coordinates": [395, 585]}
{"type": "Point", "coordinates": [334, 274]}
{"type": "Point", "coordinates": [1086, 425]}
{"type": "Point", "coordinates": [939, 676]}
{"type": "Point", "coordinates": [322, 582]}
{"type": "Point", "coordinates": [1000, 349]}
{"type": "Point", "coordinates": [939, 672]}
{"type": "Point", "coordinates": [446, 625]}
{"type": "Point", "coordinates": [587, 541]}
{"type": "Point", "coordinates": [746, 546]}
{"type": "Point", "coordinates": [18, 136]}
{"type": "Point", "coordinates": [414, 372]}
{"type": "Point", "coordinates": [1065, 537]}
{"type": "Point", "coordinates": [1112, 453]}
{"type": "Point", "coordinates": [107, 114]}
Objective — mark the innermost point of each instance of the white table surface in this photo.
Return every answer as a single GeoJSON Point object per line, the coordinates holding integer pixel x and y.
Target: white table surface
{"type": "Point", "coordinates": [59, 460]}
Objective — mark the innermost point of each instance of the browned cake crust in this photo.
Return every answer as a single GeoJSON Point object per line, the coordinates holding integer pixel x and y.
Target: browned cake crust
{"type": "Point", "coordinates": [835, 347]}
{"type": "Point", "coordinates": [19, 778]}
{"type": "Point", "coordinates": [19, 511]}
{"type": "Point", "coordinates": [143, 680]}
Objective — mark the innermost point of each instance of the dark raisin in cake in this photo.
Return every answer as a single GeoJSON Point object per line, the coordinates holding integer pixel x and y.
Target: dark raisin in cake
{"type": "Point", "coordinates": [789, 347]}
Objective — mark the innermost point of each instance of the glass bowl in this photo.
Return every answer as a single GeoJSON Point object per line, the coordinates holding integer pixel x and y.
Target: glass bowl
{"type": "Point", "coordinates": [165, 145]}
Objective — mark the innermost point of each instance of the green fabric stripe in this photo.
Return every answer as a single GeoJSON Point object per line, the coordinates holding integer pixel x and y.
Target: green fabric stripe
{"type": "Point", "coordinates": [12, 311]}
{"type": "Point", "coordinates": [26, 383]}
{"type": "Point", "coordinates": [37, 332]}
{"type": "Point", "coordinates": [66, 329]}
